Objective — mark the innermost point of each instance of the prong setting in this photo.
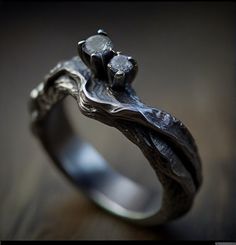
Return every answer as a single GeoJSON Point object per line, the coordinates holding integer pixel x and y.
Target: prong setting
{"type": "Point", "coordinates": [96, 51]}
{"type": "Point", "coordinates": [121, 71]}
{"type": "Point", "coordinates": [79, 48]}
{"type": "Point", "coordinates": [118, 80]}
{"type": "Point", "coordinates": [106, 64]}
{"type": "Point", "coordinates": [95, 63]}
{"type": "Point", "coordinates": [132, 60]}
{"type": "Point", "coordinates": [102, 32]}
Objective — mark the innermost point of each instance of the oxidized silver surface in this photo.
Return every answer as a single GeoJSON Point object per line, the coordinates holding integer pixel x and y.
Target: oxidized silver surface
{"type": "Point", "coordinates": [103, 91]}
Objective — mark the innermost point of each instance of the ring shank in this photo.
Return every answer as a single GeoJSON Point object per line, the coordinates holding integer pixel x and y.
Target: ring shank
{"type": "Point", "coordinates": [88, 170]}
{"type": "Point", "coordinates": [164, 141]}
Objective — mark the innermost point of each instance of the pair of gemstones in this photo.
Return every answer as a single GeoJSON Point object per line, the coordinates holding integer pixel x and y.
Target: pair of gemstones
{"type": "Point", "coordinates": [106, 64]}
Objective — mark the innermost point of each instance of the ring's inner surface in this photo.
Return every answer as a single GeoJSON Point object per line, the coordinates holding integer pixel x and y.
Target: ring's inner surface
{"type": "Point", "coordinates": [90, 172]}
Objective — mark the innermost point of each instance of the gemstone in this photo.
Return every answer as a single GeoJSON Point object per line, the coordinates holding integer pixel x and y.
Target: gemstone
{"type": "Point", "coordinates": [121, 63]}
{"type": "Point", "coordinates": [98, 44]}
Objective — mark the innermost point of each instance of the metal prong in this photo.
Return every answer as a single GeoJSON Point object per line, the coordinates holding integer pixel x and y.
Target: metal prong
{"type": "Point", "coordinates": [135, 68]}
{"type": "Point", "coordinates": [80, 51]}
{"type": "Point", "coordinates": [113, 52]}
{"type": "Point", "coordinates": [132, 60]}
{"type": "Point", "coordinates": [118, 52]}
{"type": "Point", "coordinates": [118, 80]}
{"type": "Point", "coordinates": [102, 32]}
{"type": "Point", "coordinates": [96, 64]}
{"type": "Point", "coordinates": [110, 74]}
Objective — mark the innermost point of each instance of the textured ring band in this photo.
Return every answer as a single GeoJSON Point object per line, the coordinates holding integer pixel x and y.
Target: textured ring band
{"type": "Point", "coordinates": [100, 82]}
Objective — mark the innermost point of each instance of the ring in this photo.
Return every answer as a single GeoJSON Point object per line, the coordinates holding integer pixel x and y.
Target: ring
{"type": "Point", "coordinates": [100, 80]}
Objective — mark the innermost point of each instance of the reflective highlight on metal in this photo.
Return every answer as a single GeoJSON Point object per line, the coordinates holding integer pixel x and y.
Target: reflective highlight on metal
{"type": "Point", "coordinates": [103, 91]}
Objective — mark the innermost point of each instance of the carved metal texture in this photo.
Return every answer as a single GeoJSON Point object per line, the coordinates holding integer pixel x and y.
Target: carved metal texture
{"type": "Point", "coordinates": [164, 140]}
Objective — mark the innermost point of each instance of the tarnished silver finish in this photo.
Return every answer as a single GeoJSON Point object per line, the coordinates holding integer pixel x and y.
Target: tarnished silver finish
{"type": "Point", "coordinates": [121, 70]}
{"type": "Point", "coordinates": [164, 140]}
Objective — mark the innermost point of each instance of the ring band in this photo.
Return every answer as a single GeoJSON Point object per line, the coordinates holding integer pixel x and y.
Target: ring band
{"type": "Point", "coordinates": [100, 82]}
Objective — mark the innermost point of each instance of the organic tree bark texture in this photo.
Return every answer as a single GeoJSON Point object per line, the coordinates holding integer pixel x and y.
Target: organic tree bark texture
{"type": "Point", "coordinates": [186, 57]}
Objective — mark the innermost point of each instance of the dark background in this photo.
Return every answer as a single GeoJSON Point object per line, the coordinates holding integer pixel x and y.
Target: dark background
{"type": "Point", "coordinates": [186, 57]}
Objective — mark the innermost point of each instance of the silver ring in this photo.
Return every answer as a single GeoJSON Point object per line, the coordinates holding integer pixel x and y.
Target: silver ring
{"type": "Point", "coordinates": [100, 82]}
